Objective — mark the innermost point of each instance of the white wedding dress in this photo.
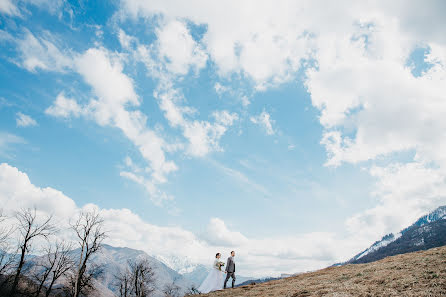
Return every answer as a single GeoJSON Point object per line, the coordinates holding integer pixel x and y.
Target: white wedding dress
{"type": "Point", "coordinates": [214, 280]}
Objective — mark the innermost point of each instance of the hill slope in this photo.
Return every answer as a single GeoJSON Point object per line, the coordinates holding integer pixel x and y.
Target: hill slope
{"type": "Point", "coordinates": [417, 274]}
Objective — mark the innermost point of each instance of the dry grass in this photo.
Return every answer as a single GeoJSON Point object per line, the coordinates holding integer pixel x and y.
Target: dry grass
{"type": "Point", "coordinates": [414, 274]}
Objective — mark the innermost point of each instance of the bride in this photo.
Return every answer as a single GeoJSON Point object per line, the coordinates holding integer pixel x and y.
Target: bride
{"type": "Point", "coordinates": [214, 280]}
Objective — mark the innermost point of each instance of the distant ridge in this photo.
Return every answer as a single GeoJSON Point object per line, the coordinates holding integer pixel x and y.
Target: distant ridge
{"type": "Point", "coordinates": [427, 232]}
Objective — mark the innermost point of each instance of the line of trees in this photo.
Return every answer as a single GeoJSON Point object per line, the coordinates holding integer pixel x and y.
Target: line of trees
{"type": "Point", "coordinates": [66, 269]}
{"type": "Point", "coordinates": [137, 280]}
{"type": "Point", "coordinates": [63, 270]}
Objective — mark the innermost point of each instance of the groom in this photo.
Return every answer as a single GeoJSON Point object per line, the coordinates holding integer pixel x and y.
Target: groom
{"type": "Point", "coordinates": [230, 269]}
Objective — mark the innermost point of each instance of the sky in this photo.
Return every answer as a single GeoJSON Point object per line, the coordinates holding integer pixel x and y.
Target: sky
{"type": "Point", "coordinates": [295, 132]}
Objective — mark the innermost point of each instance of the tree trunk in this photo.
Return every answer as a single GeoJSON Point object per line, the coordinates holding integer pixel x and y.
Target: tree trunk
{"type": "Point", "coordinates": [76, 283]}
{"type": "Point", "coordinates": [50, 287]}
{"type": "Point", "coordinates": [19, 270]}
{"type": "Point", "coordinates": [39, 289]}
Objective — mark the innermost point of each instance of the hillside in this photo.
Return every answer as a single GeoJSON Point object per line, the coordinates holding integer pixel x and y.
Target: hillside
{"type": "Point", "coordinates": [421, 273]}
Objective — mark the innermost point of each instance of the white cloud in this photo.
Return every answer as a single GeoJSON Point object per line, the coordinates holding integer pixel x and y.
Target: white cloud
{"type": "Point", "coordinates": [404, 193]}
{"type": "Point", "coordinates": [224, 117]}
{"type": "Point", "coordinates": [103, 71]}
{"type": "Point", "coordinates": [128, 229]}
{"type": "Point", "coordinates": [7, 140]}
{"type": "Point", "coordinates": [114, 95]}
{"type": "Point", "coordinates": [255, 257]}
{"type": "Point", "coordinates": [10, 7]}
{"type": "Point", "coordinates": [17, 191]}
{"type": "Point", "coordinates": [220, 89]}
{"type": "Point", "coordinates": [203, 137]}
{"type": "Point", "coordinates": [178, 50]}
{"type": "Point", "coordinates": [264, 120]}
{"type": "Point", "coordinates": [158, 197]}
{"type": "Point", "coordinates": [240, 177]}
{"type": "Point", "coordinates": [355, 95]}
{"type": "Point", "coordinates": [245, 100]}
{"type": "Point", "coordinates": [41, 53]}
{"type": "Point", "coordinates": [23, 120]}
{"type": "Point", "coordinates": [349, 44]}
{"type": "Point", "coordinates": [173, 55]}
{"type": "Point", "coordinates": [218, 234]}
{"type": "Point", "coordinates": [372, 106]}
{"type": "Point", "coordinates": [125, 40]}
{"type": "Point", "coordinates": [7, 7]}
{"type": "Point", "coordinates": [64, 107]}
{"type": "Point", "coordinates": [264, 46]}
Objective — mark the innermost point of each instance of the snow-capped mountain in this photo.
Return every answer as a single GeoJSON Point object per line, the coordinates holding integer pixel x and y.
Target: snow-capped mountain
{"type": "Point", "coordinates": [195, 273]}
{"type": "Point", "coordinates": [438, 214]}
{"type": "Point", "coordinates": [377, 245]}
{"type": "Point", "coordinates": [427, 232]}
{"type": "Point", "coordinates": [181, 265]}
{"type": "Point", "coordinates": [198, 274]}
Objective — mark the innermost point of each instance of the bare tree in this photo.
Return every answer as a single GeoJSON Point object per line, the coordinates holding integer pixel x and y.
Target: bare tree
{"type": "Point", "coordinates": [171, 290]}
{"type": "Point", "coordinates": [43, 270]}
{"type": "Point", "coordinates": [86, 283]}
{"type": "Point", "coordinates": [63, 263]}
{"type": "Point", "coordinates": [142, 277]}
{"type": "Point", "coordinates": [89, 231]}
{"type": "Point", "coordinates": [7, 261]}
{"type": "Point", "coordinates": [7, 256]}
{"type": "Point", "coordinates": [4, 232]}
{"type": "Point", "coordinates": [57, 262]}
{"type": "Point", "coordinates": [30, 229]}
{"type": "Point", "coordinates": [124, 282]}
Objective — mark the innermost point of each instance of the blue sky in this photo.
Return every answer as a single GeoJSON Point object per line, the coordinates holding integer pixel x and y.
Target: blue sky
{"type": "Point", "coordinates": [265, 128]}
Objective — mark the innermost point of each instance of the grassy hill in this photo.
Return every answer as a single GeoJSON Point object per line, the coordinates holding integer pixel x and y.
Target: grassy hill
{"type": "Point", "coordinates": [417, 274]}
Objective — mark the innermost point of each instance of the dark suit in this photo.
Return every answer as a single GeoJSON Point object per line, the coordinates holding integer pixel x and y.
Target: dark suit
{"type": "Point", "coordinates": [230, 271]}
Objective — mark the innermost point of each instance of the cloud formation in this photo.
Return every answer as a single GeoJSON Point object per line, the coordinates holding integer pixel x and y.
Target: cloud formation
{"type": "Point", "coordinates": [64, 107]}
{"type": "Point", "coordinates": [371, 104]}
{"type": "Point", "coordinates": [41, 53]}
{"type": "Point", "coordinates": [23, 120]}
{"type": "Point", "coordinates": [264, 120]}
{"type": "Point", "coordinates": [116, 103]}
{"type": "Point", "coordinates": [7, 141]}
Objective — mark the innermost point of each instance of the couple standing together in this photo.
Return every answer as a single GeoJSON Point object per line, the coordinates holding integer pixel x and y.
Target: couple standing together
{"type": "Point", "coordinates": [214, 280]}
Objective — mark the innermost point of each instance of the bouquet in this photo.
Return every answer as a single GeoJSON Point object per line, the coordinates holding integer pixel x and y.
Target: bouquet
{"type": "Point", "coordinates": [220, 265]}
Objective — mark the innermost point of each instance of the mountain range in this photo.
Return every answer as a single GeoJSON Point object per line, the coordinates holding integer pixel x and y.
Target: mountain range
{"type": "Point", "coordinates": [427, 232]}
{"type": "Point", "coordinates": [113, 260]}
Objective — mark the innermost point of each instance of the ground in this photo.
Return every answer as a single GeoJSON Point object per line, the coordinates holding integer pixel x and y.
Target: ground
{"type": "Point", "coordinates": [414, 274]}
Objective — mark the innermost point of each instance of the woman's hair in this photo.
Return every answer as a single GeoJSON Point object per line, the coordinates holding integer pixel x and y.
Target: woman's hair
{"type": "Point", "coordinates": [217, 255]}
